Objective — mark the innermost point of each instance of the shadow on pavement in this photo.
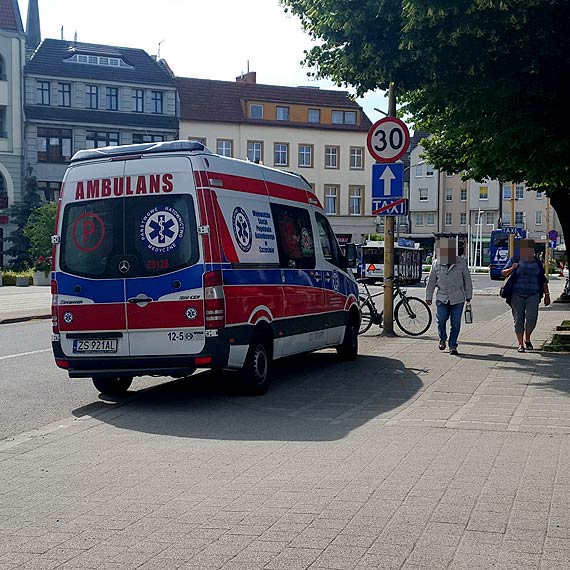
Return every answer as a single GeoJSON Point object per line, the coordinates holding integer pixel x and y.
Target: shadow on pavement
{"type": "Point", "coordinates": [312, 398]}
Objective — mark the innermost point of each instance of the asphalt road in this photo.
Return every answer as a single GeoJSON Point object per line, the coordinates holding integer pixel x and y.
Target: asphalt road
{"type": "Point", "coordinates": [34, 392]}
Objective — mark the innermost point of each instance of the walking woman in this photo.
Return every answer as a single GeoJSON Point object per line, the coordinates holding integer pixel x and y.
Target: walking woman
{"type": "Point", "coordinates": [528, 287]}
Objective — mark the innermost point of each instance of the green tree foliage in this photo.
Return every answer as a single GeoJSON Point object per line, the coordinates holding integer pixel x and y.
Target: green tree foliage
{"type": "Point", "coordinates": [18, 252]}
{"type": "Point", "coordinates": [486, 77]}
{"type": "Point", "coordinates": [40, 228]}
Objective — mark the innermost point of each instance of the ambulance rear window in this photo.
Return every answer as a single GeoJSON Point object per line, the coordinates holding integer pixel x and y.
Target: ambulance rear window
{"type": "Point", "coordinates": [135, 237]}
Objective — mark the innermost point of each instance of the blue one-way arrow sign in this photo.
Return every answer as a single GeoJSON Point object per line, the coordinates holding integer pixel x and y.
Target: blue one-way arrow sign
{"type": "Point", "coordinates": [388, 180]}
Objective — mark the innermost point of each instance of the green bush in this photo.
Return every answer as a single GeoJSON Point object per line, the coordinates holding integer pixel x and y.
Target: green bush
{"type": "Point", "coordinates": [9, 277]}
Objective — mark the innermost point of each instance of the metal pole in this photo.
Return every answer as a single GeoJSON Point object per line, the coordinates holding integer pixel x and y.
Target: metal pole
{"type": "Point", "coordinates": [547, 251]}
{"type": "Point", "coordinates": [388, 329]}
{"type": "Point", "coordinates": [512, 224]}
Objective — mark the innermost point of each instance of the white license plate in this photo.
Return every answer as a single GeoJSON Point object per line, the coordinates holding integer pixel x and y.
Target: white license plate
{"type": "Point", "coordinates": [95, 345]}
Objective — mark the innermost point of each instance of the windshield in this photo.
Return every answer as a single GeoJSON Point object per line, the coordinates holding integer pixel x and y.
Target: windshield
{"type": "Point", "coordinates": [373, 255]}
{"type": "Point", "coordinates": [154, 235]}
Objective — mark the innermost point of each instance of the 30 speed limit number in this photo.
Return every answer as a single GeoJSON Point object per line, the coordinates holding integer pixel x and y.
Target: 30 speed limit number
{"type": "Point", "coordinates": [388, 139]}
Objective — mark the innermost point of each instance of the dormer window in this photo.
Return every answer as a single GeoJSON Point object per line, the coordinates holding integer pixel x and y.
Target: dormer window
{"type": "Point", "coordinates": [256, 111]}
{"type": "Point", "coordinates": [98, 60]}
{"type": "Point", "coordinates": [344, 117]}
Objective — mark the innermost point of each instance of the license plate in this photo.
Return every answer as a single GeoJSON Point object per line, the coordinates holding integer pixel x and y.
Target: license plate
{"type": "Point", "coordinates": [95, 345]}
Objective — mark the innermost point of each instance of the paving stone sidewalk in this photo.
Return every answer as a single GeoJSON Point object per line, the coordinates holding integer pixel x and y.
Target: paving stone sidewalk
{"type": "Point", "coordinates": [408, 459]}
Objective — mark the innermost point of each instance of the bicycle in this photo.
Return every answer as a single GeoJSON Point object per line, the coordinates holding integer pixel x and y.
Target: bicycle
{"type": "Point", "coordinates": [412, 314]}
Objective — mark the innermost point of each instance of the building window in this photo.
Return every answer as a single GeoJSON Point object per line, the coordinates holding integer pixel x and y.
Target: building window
{"type": "Point", "coordinates": [54, 145]}
{"type": "Point", "coordinates": [429, 170]}
{"type": "Point", "coordinates": [538, 218]}
{"type": "Point", "coordinates": [419, 170]}
{"type": "Point", "coordinates": [50, 190]}
{"type": "Point", "coordinates": [281, 154]}
{"type": "Point", "coordinates": [483, 192]}
{"type": "Point", "coordinates": [463, 219]}
{"type": "Point", "coordinates": [255, 151]}
{"type": "Point", "coordinates": [419, 219]}
{"type": "Point", "coordinates": [507, 192]}
{"type": "Point", "coordinates": [157, 102]}
{"type": "Point", "coordinates": [139, 138]}
{"type": "Point", "coordinates": [448, 194]}
{"type": "Point", "coordinates": [3, 133]}
{"type": "Point", "coordinates": [331, 199]}
{"type": "Point", "coordinates": [98, 139]}
{"type": "Point", "coordinates": [355, 200]}
{"type": "Point", "coordinates": [138, 100]}
{"type": "Point", "coordinates": [331, 156]}
{"type": "Point", "coordinates": [448, 218]}
{"type": "Point", "coordinates": [423, 194]}
{"type": "Point", "coordinates": [356, 158]}
{"type": "Point", "coordinates": [490, 218]}
{"type": "Point", "coordinates": [92, 97]}
{"type": "Point", "coordinates": [64, 94]}
{"type": "Point", "coordinates": [463, 196]}
{"type": "Point", "coordinates": [343, 117]}
{"type": "Point", "coordinates": [506, 219]}
{"type": "Point", "coordinates": [255, 111]}
{"type": "Point", "coordinates": [98, 60]}
{"type": "Point", "coordinates": [519, 192]}
{"type": "Point", "coordinates": [306, 155]}
{"type": "Point", "coordinates": [430, 219]}
{"type": "Point", "coordinates": [282, 113]}
{"type": "Point", "coordinates": [225, 147]}
{"type": "Point", "coordinates": [44, 93]}
{"type": "Point", "coordinates": [539, 195]}
{"type": "Point", "coordinates": [519, 218]}
{"type": "Point", "coordinates": [113, 98]}
{"type": "Point", "coordinates": [314, 116]}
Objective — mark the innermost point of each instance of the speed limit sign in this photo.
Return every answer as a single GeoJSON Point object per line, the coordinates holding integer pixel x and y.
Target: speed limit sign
{"type": "Point", "coordinates": [388, 139]}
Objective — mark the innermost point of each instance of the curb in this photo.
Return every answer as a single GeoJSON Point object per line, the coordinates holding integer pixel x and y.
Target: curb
{"type": "Point", "coordinates": [23, 319]}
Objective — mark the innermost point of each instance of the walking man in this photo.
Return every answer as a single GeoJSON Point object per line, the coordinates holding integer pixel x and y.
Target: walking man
{"type": "Point", "coordinates": [450, 275]}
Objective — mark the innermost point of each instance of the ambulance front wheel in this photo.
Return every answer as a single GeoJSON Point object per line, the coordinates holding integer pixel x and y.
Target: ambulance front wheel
{"type": "Point", "coordinates": [348, 350]}
{"type": "Point", "coordinates": [113, 385]}
{"type": "Point", "coordinates": [256, 370]}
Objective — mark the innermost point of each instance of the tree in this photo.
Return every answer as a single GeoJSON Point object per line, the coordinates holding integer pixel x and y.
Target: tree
{"type": "Point", "coordinates": [18, 253]}
{"type": "Point", "coordinates": [486, 77]}
{"type": "Point", "coordinates": [39, 229]}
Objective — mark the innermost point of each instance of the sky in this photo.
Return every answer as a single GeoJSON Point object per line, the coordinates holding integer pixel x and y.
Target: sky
{"type": "Point", "coordinates": [208, 39]}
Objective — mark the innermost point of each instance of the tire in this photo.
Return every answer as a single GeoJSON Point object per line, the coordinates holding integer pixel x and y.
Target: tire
{"type": "Point", "coordinates": [113, 385]}
{"type": "Point", "coordinates": [256, 371]}
{"type": "Point", "coordinates": [366, 319]}
{"type": "Point", "coordinates": [417, 323]}
{"type": "Point", "coordinates": [348, 350]}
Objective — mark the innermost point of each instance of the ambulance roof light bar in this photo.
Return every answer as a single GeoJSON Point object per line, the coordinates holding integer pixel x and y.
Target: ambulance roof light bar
{"type": "Point", "coordinates": [113, 152]}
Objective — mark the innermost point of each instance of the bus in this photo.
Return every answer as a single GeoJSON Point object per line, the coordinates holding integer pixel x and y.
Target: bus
{"type": "Point", "coordinates": [499, 250]}
{"type": "Point", "coordinates": [369, 264]}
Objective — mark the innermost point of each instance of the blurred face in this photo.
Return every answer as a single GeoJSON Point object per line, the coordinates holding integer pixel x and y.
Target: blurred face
{"type": "Point", "coordinates": [526, 249]}
{"type": "Point", "coordinates": [447, 252]}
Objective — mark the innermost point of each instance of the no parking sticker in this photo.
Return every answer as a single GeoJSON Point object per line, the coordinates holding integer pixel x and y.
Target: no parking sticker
{"type": "Point", "coordinates": [88, 232]}
{"type": "Point", "coordinates": [161, 229]}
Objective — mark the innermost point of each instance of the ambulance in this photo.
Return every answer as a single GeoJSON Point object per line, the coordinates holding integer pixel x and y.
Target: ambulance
{"type": "Point", "coordinates": [168, 258]}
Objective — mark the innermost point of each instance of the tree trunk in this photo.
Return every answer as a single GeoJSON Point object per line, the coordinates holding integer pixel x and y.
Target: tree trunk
{"type": "Point", "coordinates": [560, 201]}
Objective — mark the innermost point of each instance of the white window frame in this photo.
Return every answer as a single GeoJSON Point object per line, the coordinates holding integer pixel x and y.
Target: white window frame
{"type": "Point", "coordinates": [423, 194]}
{"type": "Point", "coordinates": [355, 195]}
{"type": "Point", "coordinates": [507, 192]}
{"type": "Point", "coordinates": [256, 105]}
{"type": "Point", "coordinates": [285, 111]}
{"type": "Point", "coordinates": [419, 171]}
{"type": "Point", "coordinates": [463, 219]}
{"type": "Point", "coordinates": [449, 194]}
{"type": "Point", "coordinates": [329, 155]}
{"type": "Point", "coordinates": [310, 154]}
{"type": "Point", "coordinates": [331, 196]}
{"type": "Point", "coordinates": [430, 171]}
{"type": "Point", "coordinates": [448, 219]}
{"type": "Point", "coordinates": [539, 195]}
{"type": "Point", "coordinates": [519, 218]}
{"type": "Point", "coordinates": [256, 145]}
{"type": "Point", "coordinates": [519, 192]}
{"type": "Point", "coordinates": [280, 147]}
{"type": "Point", "coordinates": [490, 218]}
{"type": "Point", "coordinates": [419, 218]}
{"type": "Point", "coordinates": [481, 196]}
{"type": "Point", "coordinates": [356, 158]}
{"type": "Point", "coordinates": [463, 195]}
{"type": "Point", "coordinates": [430, 219]}
{"type": "Point", "coordinates": [538, 218]}
{"type": "Point", "coordinates": [225, 145]}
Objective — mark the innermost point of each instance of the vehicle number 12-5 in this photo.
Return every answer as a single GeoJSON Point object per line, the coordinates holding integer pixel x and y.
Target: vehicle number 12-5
{"type": "Point", "coordinates": [180, 336]}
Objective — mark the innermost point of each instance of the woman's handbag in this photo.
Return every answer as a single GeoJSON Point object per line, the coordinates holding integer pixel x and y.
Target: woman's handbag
{"type": "Point", "coordinates": [506, 291]}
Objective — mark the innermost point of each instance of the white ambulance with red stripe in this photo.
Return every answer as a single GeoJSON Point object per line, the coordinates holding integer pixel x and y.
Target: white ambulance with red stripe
{"type": "Point", "coordinates": [169, 258]}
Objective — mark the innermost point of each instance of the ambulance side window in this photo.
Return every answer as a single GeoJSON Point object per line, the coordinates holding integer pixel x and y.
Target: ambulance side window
{"type": "Point", "coordinates": [295, 240]}
{"type": "Point", "coordinates": [329, 244]}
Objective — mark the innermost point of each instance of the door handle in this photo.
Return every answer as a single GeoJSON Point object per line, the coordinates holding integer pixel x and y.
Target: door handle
{"type": "Point", "coordinates": [140, 299]}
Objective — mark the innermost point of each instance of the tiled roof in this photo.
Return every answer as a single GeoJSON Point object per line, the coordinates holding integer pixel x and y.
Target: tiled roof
{"type": "Point", "coordinates": [90, 117]}
{"type": "Point", "coordinates": [221, 101]}
{"type": "Point", "coordinates": [49, 59]}
{"type": "Point", "coordinates": [10, 16]}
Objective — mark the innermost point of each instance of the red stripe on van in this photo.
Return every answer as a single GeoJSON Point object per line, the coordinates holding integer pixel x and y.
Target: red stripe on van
{"type": "Point", "coordinates": [204, 220]}
{"type": "Point", "coordinates": [224, 233]}
{"type": "Point", "coordinates": [243, 300]}
{"type": "Point", "coordinates": [92, 317]}
{"type": "Point", "coordinates": [240, 183]}
{"type": "Point", "coordinates": [288, 193]}
{"type": "Point", "coordinates": [214, 243]}
{"type": "Point", "coordinates": [165, 315]}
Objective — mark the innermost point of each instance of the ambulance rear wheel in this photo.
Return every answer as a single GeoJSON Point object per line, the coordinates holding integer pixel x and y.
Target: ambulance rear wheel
{"type": "Point", "coordinates": [256, 370]}
{"type": "Point", "coordinates": [113, 385]}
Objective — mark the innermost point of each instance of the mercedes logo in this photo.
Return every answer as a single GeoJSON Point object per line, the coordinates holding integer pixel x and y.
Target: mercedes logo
{"type": "Point", "coordinates": [124, 266]}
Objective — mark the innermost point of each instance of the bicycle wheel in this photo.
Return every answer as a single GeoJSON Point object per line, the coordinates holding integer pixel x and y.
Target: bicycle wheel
{"type": "Point", "coordinates": [413, 316]}
{"type": "Point", "coordinates": [366, 320]}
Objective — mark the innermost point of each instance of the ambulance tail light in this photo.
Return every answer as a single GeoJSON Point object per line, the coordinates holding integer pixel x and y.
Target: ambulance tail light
{"type": "Point", "coordinates": [54, 321]}
{"type": "Point", "coordinates": [214, 302]}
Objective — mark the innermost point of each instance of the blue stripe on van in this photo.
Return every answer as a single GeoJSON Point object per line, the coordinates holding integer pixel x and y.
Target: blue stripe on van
{"type": "Point", "coordinates": [99, 290]}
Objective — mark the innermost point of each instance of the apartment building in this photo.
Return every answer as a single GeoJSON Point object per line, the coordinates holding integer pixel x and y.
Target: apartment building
{"type": "Point", "coordinates": [80, 95]}
{"type": "Point", "coordinates": [318, 133]}
{"type": "Point", "coordinates": [12, 55]}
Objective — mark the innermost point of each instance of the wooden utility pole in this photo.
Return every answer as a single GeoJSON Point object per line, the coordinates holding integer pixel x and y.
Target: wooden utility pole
{"type": "Point", "coordinates": [512, 224]}
{"type": "Point", "coordinates": [547, 249]}
{"type": "Point", "coordinates": [388, 328]}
